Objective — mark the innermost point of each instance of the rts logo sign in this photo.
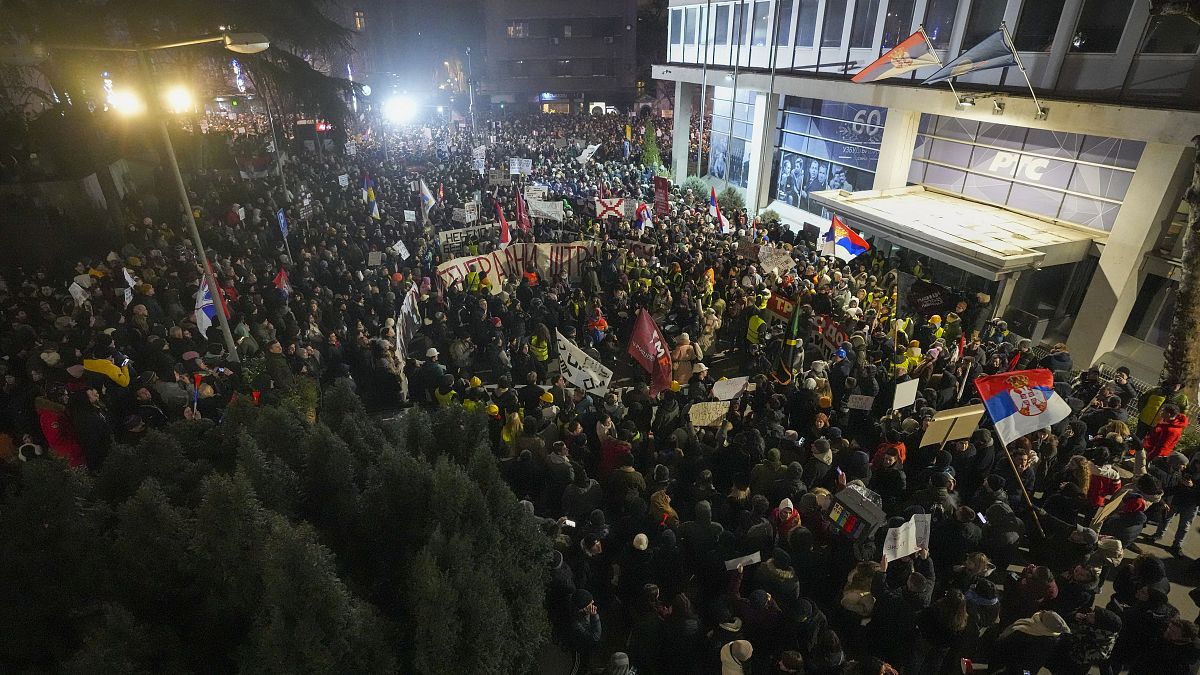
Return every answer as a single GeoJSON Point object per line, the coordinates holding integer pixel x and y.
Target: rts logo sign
{"type": "Point", "coordinates": [1009, 164]}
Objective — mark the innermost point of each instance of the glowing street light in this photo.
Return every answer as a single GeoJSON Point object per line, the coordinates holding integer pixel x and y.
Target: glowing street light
{"type": "Point", "coordinates": [126, 102]}
{"type": "Point", "coordinates": [400, 109]}
{"type": "Point", "coordinates": [179, 99]}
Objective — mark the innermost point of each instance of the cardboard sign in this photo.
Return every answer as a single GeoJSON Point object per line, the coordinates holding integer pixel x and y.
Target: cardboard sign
{"type": "Point", "coordinates": [344, 180]}
{"type": "Point", "coordinates": [747, 249]}
{"type": "Point", "coordinates": [550, 210]}
{"type": "Point", "coordinates": [374, 258]}
{"type": "Point", "coordinates": [708, 414]}
{"type": "Point", "coordinates": [401, 250]}
{"type": "Point", "coordinates": [536, 192]}
{"type": "Point", "coordinates": [410, 216]}
{"type": "Point", "coordinates": [497, 177]}
{"type": "Point", "coordinates": [521, 166]}
{"type": "Point", "coordinates": [471, 209]}
{"type": "Point", "coordinates": [860, 402]}
{"type": "Point", "coordinates": [906, 394]}
{"type": "Point", "coordinates": [951, 425]}
{"type": "Point", "coordinates": [772, 259]}
{"type": "Point", "coordinates": [662, 195]}
{"type": "Point", "coordinates": [454, 242]}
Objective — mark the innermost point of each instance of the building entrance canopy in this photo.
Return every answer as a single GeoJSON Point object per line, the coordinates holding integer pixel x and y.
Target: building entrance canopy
{"type": "Point", "coordinates": [985, 240]}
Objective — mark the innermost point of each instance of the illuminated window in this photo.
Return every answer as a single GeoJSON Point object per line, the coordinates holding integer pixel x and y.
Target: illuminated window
{"type": "Point", "coordinates": [567, 30]}
{"type": "Point", "coordinates": [518, 29]}
{"type": "Point", "coordinates": [360, 19]}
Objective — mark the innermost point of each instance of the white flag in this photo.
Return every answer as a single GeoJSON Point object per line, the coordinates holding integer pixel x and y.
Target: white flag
{"type": "Point", "coordinates": [580, 369]}
{"type": "Point", "coordinates": [552, 210]}
{"type": "Point", "coordinates": [586, 156]}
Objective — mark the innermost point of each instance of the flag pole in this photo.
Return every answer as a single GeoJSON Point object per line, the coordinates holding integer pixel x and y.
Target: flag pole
{"type": "Point", "coordinates": [933, 50]}
{"type": "Point", "coordinates": [1017, 475]}
{"type": "Point", "coordinates": [1008, 42]}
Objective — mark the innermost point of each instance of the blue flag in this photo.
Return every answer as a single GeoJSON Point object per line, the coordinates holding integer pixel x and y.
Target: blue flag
{"type": "Point", "coordinates": [993, 52]}
{"type": "Point", "coordinates": [283, 225]}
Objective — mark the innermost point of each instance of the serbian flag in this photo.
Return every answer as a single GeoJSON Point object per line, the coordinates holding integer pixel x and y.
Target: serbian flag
{"type": "Point", "coordinates": [1021, 402]}
{"type": "Point", "coordinates": [905, 57]}
{"type": "Point", "coordinates": [523, 221]}
{"type": "Point", "coordinates": [505, 235]}
{"type": "Point", "coordinates": [993, 52]}
{"type": "Point", "coordinates": [714, 210]}
{"type": "Point", "coordinates": [206, 311]}
{"type": "Point", "coordinates": [842, 242]}
{"type": "Point", "coordinates": [441, 193]}
{"type": "Point", "coordinates": [366, 188]}
{"type": "Point", "coordinates": [282, 282]}
{"type": "Point", "coordinates": [644, 217]}
{"type": "Point", "coordinates": [648, 347]}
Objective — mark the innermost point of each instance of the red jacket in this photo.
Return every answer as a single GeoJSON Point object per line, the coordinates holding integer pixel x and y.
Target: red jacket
{"type": "Point", "coordinates": [1162, 438]}
{"type": "Point", "coordinates": [56, 427]}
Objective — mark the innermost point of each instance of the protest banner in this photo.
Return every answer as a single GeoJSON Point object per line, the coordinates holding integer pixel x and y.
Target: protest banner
{"type": "Point", "coordinates": [951, 425]}
{"type": "Point", "coordinates": [496, 177]}
{"type": "Point", "coordinates": [471, 209]}
{"type": "Point", "coordinates": [648, 347]}
{"type": "Point", "coordinates": [708, 414]}
{"type": "Point", "coordinates": [832, 335]}
{"type": "Point", "coordinates": [906, 394]}
{"type": "Point", "coordinates": [780, 306]}
{"type": "Point", "coordinates": [743, 561]}
{"type": "Point", "coordinates": [547, 260]}
{"type": "Point", "coordinates": [408, 321]}
{"type": "Point", "coordinates": [747, 249]}
{"type": "Point", "coordinates": [458, 215]}
{"type": "Point", "coordinates": [536, 192]}
{"type": "Point", "coordinates": [519, 166]}
{"type": "Point", "coordinates": [610, 207]}
{"type": "Point", "coordinates": [580, 369]}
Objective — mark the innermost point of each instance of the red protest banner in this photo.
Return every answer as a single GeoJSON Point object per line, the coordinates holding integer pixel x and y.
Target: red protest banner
{"type": "Point", "coordinates": [780, 306]}
{"type": "Point", "coordinates": [648, 347]}
{"type": "Point", "coordinates": [662, 192]}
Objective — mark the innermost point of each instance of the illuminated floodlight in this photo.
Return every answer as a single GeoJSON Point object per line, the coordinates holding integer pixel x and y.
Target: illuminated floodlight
{"type": "Point", "coordinates": [179, 100]}
{"type": "Point", "coordinates": [400, 109]}
{"type": "Point", "coordinates": [126, 102]}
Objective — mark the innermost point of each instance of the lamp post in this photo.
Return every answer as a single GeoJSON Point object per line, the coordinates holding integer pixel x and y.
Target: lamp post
{"type": "Point", "coordinates": [241, 43]}
{"type": "Point", "coordinates": [471, 91]}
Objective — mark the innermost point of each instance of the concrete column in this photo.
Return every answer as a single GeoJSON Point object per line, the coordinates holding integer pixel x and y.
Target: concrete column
{"type": "Point", "coordinates": [1004, 294]}
{"type": "Point", "coordinates": [955, 47]}
{"type": "Point", "coordinates": [1152, 199]}
{"type": "Point", "coordinates": [896, 149]}
{"type": "Point", "coordinates": [1061, 45]}
{"type": "Point", "coordinates": [762, 151]}
{"type": "Point", "coordinates": [681, 133]}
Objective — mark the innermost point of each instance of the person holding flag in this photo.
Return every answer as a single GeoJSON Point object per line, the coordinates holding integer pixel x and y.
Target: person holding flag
{"type": "Point", "coordinates": [643, 216]}
{"type": "Point", "coordinates": [714, 210]}
{"type": "Point", "coordinates": [426, 200]}
{"type": "Point", "coordinates": [842, 242]}
{"type": "Point", "coordinates": [206, 311]}
{"type": "Point", "coordinates": [282, 282]}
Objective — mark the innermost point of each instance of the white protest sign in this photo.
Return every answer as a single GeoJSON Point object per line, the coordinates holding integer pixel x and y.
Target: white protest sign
{"type": "Point", "coordinates": [908, 538]}
{"type": "Point", "coordinates": [374, 258]}
{"type": "Point", "coordinates": [726, 390]}
{"type": "Point", "coordinates": [410, 216]}
{"type": "Point", "coordinates": [471, 209]}
{"type": "Point", "coordinates": [580, 369]}
{"type": "Point", "coordinates": [526, 166]}
{"type": "Point", "coordinates": [906, 394]}
{"type": "Point", "coordinates": [536, 192]}
{"type": "Point", "coordinates": [401, 250]}
{"type": "Point", "coordinates": [860, 402]}
{"type": "Point", "coordinates": [551, 210]}
{"type": "Point", "coordinates": [344, 180]}
{"type": "Point", "coordinates": [78, 293]}
{"type": "Point", "coordinates": [458, 215]}
{"type": "Point", "coordinates": [751, 559]}
{"type": "Point", "coordinates": [708, 414]}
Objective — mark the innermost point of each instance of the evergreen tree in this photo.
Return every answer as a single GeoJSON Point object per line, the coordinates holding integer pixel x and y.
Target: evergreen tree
{"type": "Point", "coordinates": [650, 155]}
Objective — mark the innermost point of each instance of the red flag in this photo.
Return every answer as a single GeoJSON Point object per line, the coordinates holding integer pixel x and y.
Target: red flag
{"type": "Point", "coordinates": [282, 282]}
{"type": "Point", "coordinates": [662, 191]}
{"type": "Point", "coordinates": [441, 193]}
{"type": "Point", "coordinates": [648, 347]}
{"type": "Point", "coordinates": [523, 221]}
{"type": "Point", "coordinates": [505, 236]}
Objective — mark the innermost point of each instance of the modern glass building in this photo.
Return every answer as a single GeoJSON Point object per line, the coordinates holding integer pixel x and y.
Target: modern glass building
{"type": "Point", "coordinates": [1069, 216]}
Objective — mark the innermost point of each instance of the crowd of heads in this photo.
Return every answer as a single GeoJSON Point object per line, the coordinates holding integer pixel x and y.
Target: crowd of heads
{"type": "Point", "coordinates": [644, 507]}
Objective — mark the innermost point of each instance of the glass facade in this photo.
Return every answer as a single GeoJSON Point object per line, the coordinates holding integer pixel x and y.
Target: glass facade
{"type": "Point", "coordinates": [1072, 177]}
{"type": "Point", "coordinates": [1100, 26]}
{"type": "Point", "coordinates": [732, 131]}
{"type": "Point", "coordinates": [825, 145]}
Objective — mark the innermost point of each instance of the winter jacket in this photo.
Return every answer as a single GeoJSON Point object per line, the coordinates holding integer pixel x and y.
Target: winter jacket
{"type": "Point", "coordinates": [60, 434]}
{"type": "Point", "coordinates": [1162, 438]}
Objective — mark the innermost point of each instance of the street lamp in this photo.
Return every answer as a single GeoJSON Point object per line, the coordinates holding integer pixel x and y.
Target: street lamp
{"type": "Point", "coordinates": [241, 43]}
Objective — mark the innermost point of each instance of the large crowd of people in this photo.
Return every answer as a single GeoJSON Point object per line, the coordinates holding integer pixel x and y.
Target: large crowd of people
{"type": "Point", "coordinates": [645, 508]}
